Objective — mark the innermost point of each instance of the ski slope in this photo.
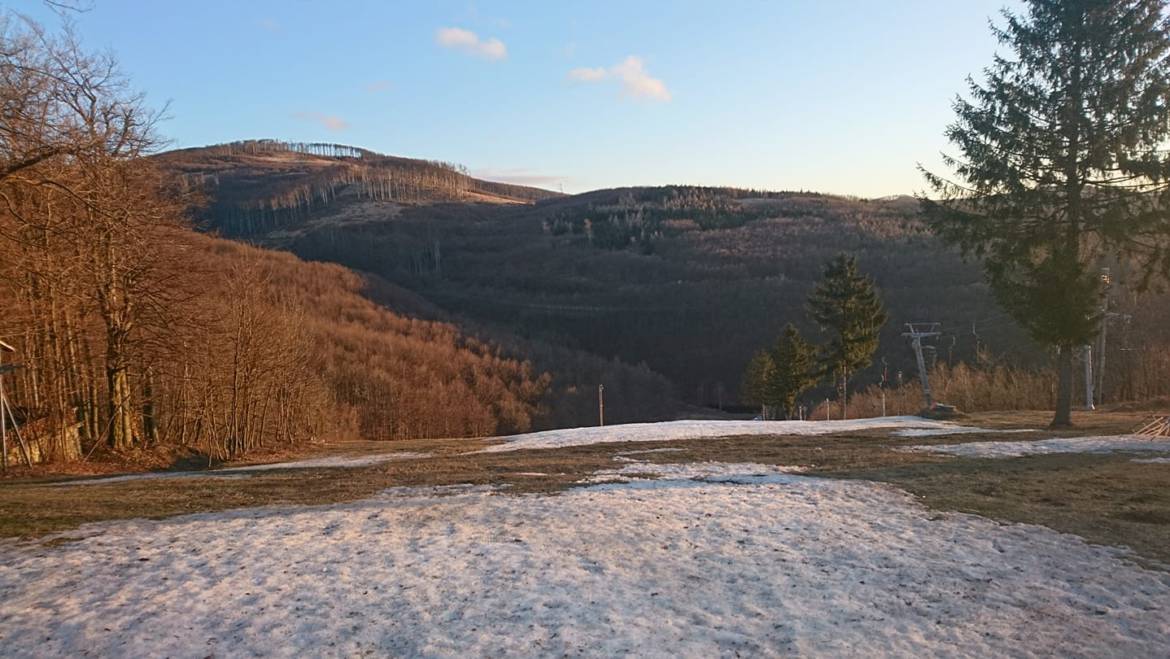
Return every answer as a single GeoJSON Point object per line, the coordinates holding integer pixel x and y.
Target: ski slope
{"type": "Point", "coordinates": [712, 560]}
{"type": "Point", "coordinates": [677, 430]}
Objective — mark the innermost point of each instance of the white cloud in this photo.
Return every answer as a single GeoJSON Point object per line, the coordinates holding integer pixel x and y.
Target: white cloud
{"type": "Point", "coordinates": [469, 42]}
{"type": "Point", "coordinates": [378, 86]}
{"type": "Point", "coordinates": [631, 73]}
{"type": "Point", "coordinates": [330, 122]}
{"type": "Point", "coordinates": [636, 82]}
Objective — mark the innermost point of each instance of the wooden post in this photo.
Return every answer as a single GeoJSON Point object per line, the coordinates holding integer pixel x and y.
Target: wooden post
{"type": "Point", "coordinates": [601, 404]}
{"type": "Point", "coordinates": [4, 347]}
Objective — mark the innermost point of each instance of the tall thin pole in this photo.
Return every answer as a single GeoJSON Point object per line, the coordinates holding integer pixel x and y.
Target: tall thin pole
{"type": "Point", "coordinates": [601, 404]}
{"type": "Point", "coordinates": [1106, 279]}
{"type": "Point", "coordinates": [1088, 355]}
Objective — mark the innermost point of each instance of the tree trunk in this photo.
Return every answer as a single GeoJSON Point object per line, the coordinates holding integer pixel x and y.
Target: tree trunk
{"type": "Point", "coordinates": [121, 407]}
{"type": "Point", "coordinates": [149, 420]}
{"type": "Point", "coordinates": [1064, 387]}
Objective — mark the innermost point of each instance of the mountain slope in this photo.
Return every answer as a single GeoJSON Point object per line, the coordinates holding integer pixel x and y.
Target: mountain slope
{"type": "Point", "coordinates": [689, 281]}
{"type": "Point", "coordinates": [269, 186]}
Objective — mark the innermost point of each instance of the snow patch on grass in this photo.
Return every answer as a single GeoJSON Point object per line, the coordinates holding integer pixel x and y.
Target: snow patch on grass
{"type": "Point", "coordinates": [652, 450]}
{"type": "Point", "coordinates": [668, 474]}
{"type": "Point", "coordinates": [676, 430]}
{"type": "Point", "coordinates": [1149, 461]}
{"type": "Point", "coordinates": [1104, 444]}
{"type": "Point", "coordinates": [954, 430]}
{"type": "Point", "coordinates": [781, 565]}
{"type": "Point", "coordinates": [333, 462]}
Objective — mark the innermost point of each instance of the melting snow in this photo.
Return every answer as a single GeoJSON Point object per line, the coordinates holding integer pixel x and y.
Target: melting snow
{"type": "Point", "coordinates": [337, 461]}
{"type": "Point", "coordinates": [744, 560]}
{"type": "Point", "coordinates": [675, 430]}
{"type": "Point", "coordinates": [1045, 446]}
{"type": "Point", "coordinates": [953, 430]}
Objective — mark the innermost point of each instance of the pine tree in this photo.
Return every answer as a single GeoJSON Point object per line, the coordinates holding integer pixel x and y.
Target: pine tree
{"type": "Point", "coordinates": [847, 306]}
{"type": "Point", "coordinates": [1061, 165]}
{"type": "Point", "coordinates": [794, 370]}
{"type": "Point", "coordinates": [754, 389]}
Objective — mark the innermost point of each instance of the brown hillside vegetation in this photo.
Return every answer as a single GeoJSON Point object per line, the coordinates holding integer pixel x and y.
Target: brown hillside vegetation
{"type": "Point", "coordinates": [400, 377]}
{"type": "Point", "coordinates": [131, 333]}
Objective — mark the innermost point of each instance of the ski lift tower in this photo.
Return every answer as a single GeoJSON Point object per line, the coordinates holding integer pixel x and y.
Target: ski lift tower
{"type": "Point", "coordinates": [916, 332]}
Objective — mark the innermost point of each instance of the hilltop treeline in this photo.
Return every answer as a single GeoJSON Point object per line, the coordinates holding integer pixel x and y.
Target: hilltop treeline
{"type": "Point", "coordinates": [132, 333]}
{"type": "Point", "coordinates": [257, 186]}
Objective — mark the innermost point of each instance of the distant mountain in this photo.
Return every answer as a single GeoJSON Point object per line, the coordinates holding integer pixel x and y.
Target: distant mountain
{"type": "Point", "coordinates": [269, 186]}
{"type": "Point", "coordinates": [688, 281]}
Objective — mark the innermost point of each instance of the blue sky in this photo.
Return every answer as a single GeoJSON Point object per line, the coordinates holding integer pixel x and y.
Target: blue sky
{"type": "Point", "coordinates": [841, 96]}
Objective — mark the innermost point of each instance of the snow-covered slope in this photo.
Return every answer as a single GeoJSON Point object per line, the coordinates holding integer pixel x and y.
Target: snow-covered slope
{"type": "Point", "coordinates": [675, 430]}
{"type": "Point", "coordinates": [745, 560]}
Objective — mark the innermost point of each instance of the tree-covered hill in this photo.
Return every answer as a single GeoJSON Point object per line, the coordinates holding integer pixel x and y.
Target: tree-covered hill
{"type": "Point", "coordinates": [689, 281]}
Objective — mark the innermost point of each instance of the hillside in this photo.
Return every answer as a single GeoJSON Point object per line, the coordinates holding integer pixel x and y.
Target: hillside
{"type": "Point", "coordinates": [269, 186]}
{"type": "Point", "coordinates": [688, 281]}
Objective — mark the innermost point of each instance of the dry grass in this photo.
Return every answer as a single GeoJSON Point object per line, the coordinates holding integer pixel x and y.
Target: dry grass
{"type": "Point", "coordinates": [1106, 499]}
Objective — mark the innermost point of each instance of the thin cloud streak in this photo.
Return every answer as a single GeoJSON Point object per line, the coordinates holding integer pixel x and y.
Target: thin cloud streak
{"type": "Point", "coordinates": [466, 41]}
{"type": "Point", "coordinates": [519, 176]}
{"type": "Point", "coordinates": [329, 122]}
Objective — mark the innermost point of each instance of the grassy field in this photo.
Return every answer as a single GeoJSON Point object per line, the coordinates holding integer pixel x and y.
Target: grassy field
{"type": "Point", "coordinates": [1105, 498]}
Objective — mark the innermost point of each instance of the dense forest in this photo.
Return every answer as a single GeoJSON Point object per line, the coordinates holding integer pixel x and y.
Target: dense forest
{"type": "Point", "coordinates": [131, 333]}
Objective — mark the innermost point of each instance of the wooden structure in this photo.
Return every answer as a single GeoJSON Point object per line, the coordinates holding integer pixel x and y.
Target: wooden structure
{"type": "Point", "coordinates": [1158, 427]}
{"type": "Point", "coordinates": [6, 414]}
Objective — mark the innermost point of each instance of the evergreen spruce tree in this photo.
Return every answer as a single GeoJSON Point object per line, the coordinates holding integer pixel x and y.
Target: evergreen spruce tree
{"type": "Point", "coordinates": [794, 370]}
{"type": "Point", "coordinates": [1062, 165]}
{"type": "Point", "coordinates": [757, 375]}
{"type": "Point", "coordinates": [847, 306]}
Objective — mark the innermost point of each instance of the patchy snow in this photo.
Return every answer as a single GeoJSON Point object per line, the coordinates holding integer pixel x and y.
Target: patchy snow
{"type": "Point", "coordinates": [715, 472]}
{"type": "Point", "coordinates": [746, 560]}
{"type": "Point", "coordinates": [955, 430]}
{"type": "Point", "coordinates": [1152, 461]}
{"type": "Point", "coordinates": [675, 430]}
{"type": "Point", "coordinates": [652, 450]}
{"type": "Point", "coordinates": [149, 475]}
{"type": "Point", "coordinates": [1105, 444]}
{"type": "Point", "coordinates": [332, 462]}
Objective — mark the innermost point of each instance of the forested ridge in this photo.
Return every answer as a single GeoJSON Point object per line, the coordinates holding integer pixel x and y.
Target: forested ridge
{"type": "Point", "coordinates": [258, 186]}
{"type": "Point", "coordinates": [692, 280]}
